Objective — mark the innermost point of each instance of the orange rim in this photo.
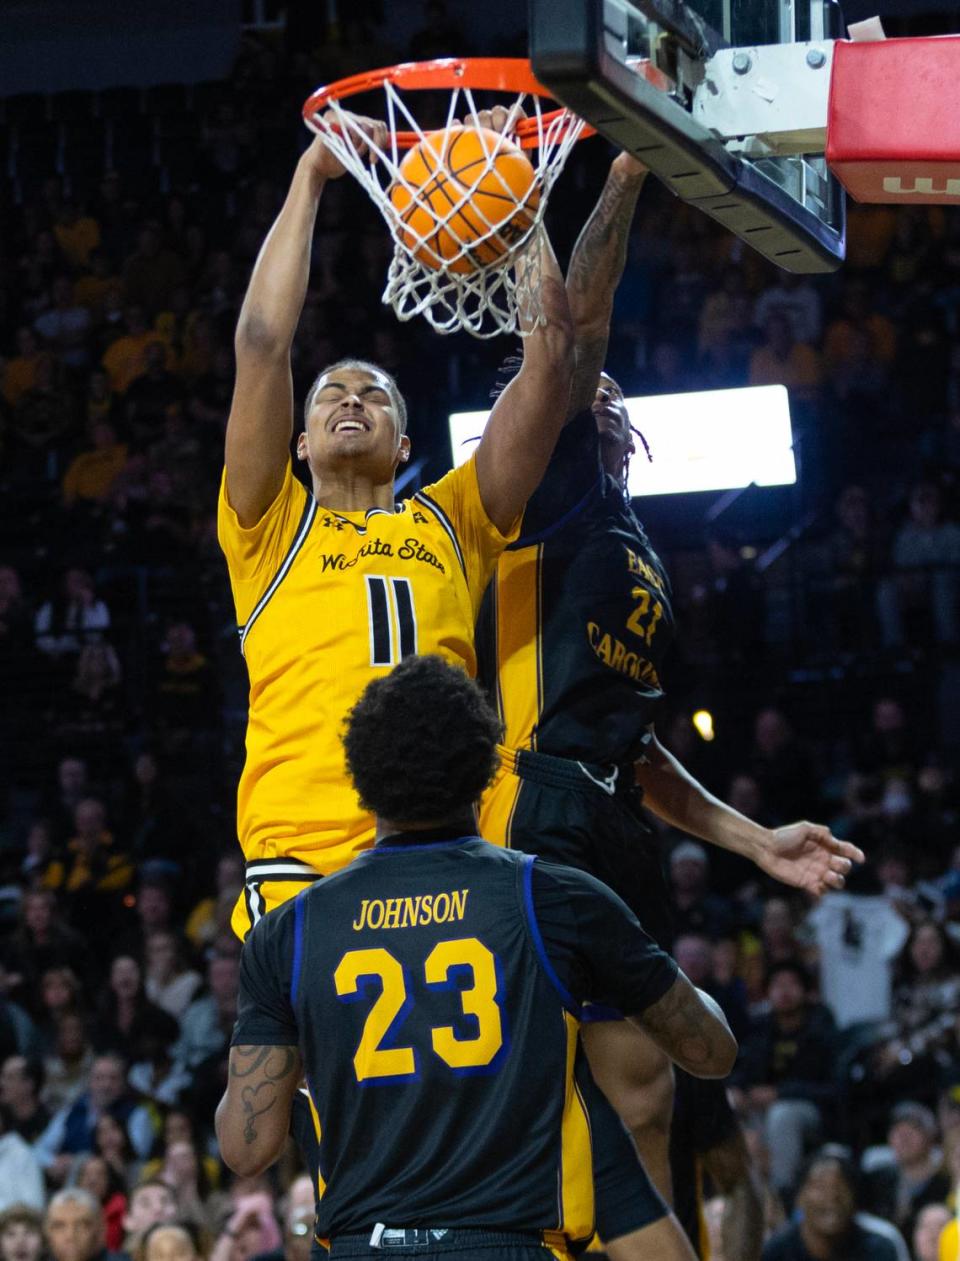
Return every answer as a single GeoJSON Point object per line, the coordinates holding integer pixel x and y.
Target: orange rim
{"type": "Point", "coordinates": [496, 74]}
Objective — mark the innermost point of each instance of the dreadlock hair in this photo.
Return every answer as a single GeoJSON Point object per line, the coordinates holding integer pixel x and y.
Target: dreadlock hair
{"type": "Point", "coordinates": [421, 742]}
{"type": "Point", "coordinates": [509, 368]}
{"type": "Point", "coordinates": [361, 365]}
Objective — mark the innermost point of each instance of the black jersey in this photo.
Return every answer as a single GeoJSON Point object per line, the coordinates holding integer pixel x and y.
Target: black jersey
{"type": "Point", "coordinates": [434, 990]}
{"type": "Point", "coordinates": [577, 619]}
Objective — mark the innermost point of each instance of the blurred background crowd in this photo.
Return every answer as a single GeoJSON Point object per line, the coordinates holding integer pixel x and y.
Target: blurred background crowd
{"type": "Point", "coordinates": [819, 648]}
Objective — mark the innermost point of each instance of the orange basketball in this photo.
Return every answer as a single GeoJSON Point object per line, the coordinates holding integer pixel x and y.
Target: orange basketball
{"type": "Point", "coordinates": [474, 194]}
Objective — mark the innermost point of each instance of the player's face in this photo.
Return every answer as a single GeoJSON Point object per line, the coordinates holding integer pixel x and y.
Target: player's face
{"type": "Point", "coordinates": [613, 425]}
{"type": "Point", "coordinates": [353, 423]}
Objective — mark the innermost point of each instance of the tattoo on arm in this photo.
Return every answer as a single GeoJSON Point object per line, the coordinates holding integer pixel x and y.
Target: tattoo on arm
{"type": "Point", "coordinates": [269, 1066]}
{"type": "Point", "coordinates": [681, 1027]}
{"type": "Point", "coordinates": [597, 264]}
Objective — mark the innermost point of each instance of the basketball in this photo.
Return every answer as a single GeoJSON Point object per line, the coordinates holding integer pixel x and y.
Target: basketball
{"type": "Point", "coordinates": [464, 197]}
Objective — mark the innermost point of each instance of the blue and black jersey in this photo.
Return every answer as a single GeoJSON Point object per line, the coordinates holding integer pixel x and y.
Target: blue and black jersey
{"type": "Point", "coordinates": [577, 620]}
{"type": "Point", "coordinates": [434, 989]}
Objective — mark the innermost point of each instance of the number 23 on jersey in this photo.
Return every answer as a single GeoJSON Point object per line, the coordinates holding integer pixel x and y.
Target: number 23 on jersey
{"type": "Point", "coordinates": [449, 964]}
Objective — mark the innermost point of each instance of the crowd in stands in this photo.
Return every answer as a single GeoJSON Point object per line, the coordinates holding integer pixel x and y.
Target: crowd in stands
{"type": "Point", "coordinates": [832, 668]}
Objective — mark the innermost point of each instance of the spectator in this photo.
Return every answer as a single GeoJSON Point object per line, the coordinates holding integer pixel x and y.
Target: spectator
{"type": "Point", "coordinates": [77, 235]}
{"type": "Point", "coordinates": [90, 289]}
{"type": "Point", "coordinates": [784, 1075]}
{"type": "Point", "coordinates": [858, 937]}
{"type": "Point", "coordinates": [21, 1234]}
{"type": "Point", "coordinates": [72, 786]}
{"type": "Point", "coordinates": [112, 1142]}
{"type": "Point", "coordinates": [828, 1229]}
{"type": "Point", "coordinates": [179, 1127]}
{"type": "Point", "coordinates": [74, 1228]}
{"type": "Point", "coordinates": [128, 1020]}
{"type": "Point", "coordinates": [842, 342]}
{"type": "Point", "coordinates": [782, 360]}
{"type": "Point", "coordinates": [90, 475]}
{"type": "Point", "coordinates": [250, 1230]}
{"type": "Point", "coordinates": [930, 1226]}
{"type": "Point", "coordinates": [60, 993]}
{"type": "Point", "coordinates": [68, 1066]}
{"type": "Point", "coordinates": [65, 327]}
{"type": "Point", "coordinates": [898, 1189]}
{"type": "Point", "coordinates": [151, 1202]}
{"type": "Point", "coordinates": [695, 908]}
{"type": "Point", "coordinates": [101, 404]}
{"type": "Point", "coordinates": [124, 358]}
{"type": "Point", "coordinates": [186, 1174]}
{"type": "Point", "coordinates": [21, 1088]}
{"type": "Point", "coordinates": [796, 298]}
{"type": "Point", "coordinates": [173, 1242]}
{"type": "Point", "coordinates": [208, 1021]}
{"type": "Point", "coordinates": [151, 392]}
{"type": "Point", "coordinates": [95, 872]}
{"type": "Point", "coordinates": [90, 711]}
{"type": "Point", "coordinates": [202, 920]}
{"type": "Point", "coordinates": [296, 1215]}
{"type": "Point", "coordinates": [21, 1179]}
{"type": "Point", "coordinates": [186, 697]}
{"type": "Point", "coordinates": [74, 617]}
{"type": "Point", "coordinates": [43, 422]}
{"type": "Point", "coordinates": [781, 766]}
{"type": "Point", "coordinates": [93, 1174]}
{"type": "Point", "coordinates": [853, 559]}
{"type": "Point", "coordinates": [926, 558]}
{"type": "Point", "coordinates": [19, 373]}
{"type": "Point", "coordinates": [926, 1000]}
{"type": "Point", "coordinates": [153, 273]}
{"type": "Point", "coordinates": [72, 1131]}
{"type": "Point", "coordinates": [170, 982]}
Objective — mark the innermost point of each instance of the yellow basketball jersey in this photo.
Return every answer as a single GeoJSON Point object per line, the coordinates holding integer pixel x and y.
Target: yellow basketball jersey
{"type": "Point", "coordinates": [327, 601]}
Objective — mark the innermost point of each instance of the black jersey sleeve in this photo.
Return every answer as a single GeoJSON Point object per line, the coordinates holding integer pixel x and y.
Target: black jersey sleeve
{"type": "Point", "coordinates": [595, 943]}
{"type": "Point", "coordinates": [265, 1015]}
{"type": "Point", "coordinates": [573, 474]}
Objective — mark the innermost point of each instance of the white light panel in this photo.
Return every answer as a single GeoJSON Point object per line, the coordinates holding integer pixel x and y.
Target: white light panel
{"type": "Point", "coordinates": [707, 440]}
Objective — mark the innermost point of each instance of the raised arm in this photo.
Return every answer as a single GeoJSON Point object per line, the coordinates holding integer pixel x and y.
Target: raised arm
{"type": "Point", "coordinates": [804, 855]}
{"type": "Point", "coordinates": [528, 416]}
{"type": "Point", "coordinates": [689, 1027]}
{"type": "Point", "coordinates": [596, 266]}
{"type": "Point", "coordinates": [260, 425]}
{"type": "Point", "coordinates": [253, 1117]}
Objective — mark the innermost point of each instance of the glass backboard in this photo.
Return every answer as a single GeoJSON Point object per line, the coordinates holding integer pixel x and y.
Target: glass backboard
{"type": "Point", "coordinates": [631, 68]}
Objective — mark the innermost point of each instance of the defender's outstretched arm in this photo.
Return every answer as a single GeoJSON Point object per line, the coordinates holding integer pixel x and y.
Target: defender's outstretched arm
{"type": "Point", "coordinates": [596, 267]}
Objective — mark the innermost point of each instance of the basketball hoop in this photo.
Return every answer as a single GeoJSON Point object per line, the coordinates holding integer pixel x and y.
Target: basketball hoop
{"type": "Point", "coordinates": [457, 287]}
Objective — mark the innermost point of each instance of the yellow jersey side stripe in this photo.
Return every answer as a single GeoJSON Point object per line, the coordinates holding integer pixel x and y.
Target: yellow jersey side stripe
{"type": "Point", "coordinates": [445, 522]}
{"type": "Point", "coordinates": [306, 521]}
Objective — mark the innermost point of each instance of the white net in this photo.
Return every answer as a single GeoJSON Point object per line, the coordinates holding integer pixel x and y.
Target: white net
{"type": "Point", "coordinates": [484, 277]}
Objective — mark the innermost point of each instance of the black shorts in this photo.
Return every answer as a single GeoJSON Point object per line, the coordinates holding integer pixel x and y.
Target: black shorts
{"type": "Point", "coordinates": [587, 817]}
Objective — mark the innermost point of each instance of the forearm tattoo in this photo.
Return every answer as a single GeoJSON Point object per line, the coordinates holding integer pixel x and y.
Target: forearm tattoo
{"type": "Point", "coordinates": [268, 1066]}
{"type": "Point", "coordinates": [678, 1021]}
{"type": "Point", "coordinates": [597, 264]}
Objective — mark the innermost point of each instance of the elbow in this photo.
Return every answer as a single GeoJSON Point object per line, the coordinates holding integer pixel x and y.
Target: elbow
{"type": "Point", "coordinates": [723, 1055]}
{"type": "Point", "coordinates": [255, 335]}
{"type": "Point", "coordinates": [244, 1163]}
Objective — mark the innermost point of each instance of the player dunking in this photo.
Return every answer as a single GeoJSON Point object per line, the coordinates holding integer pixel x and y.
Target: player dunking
{"type": "Point", "coordinates": [431, 992]}
{"type": "Point", "coordinates": [572, 641]}
{"type": "Point", "coordinates": [334, 587]}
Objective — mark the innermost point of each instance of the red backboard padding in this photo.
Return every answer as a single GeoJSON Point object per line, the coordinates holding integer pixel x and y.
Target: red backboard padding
{"type": "Point", "coordinates": [893, 121]}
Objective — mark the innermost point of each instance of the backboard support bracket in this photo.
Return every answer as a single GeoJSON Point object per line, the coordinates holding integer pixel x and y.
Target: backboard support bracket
{"type": "Point", "coordinates": [576, 50]}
